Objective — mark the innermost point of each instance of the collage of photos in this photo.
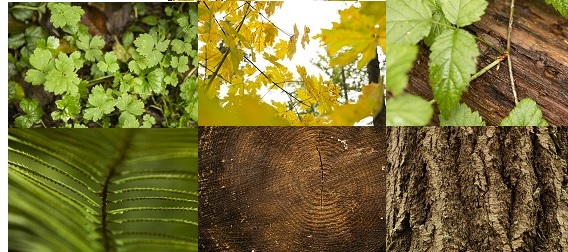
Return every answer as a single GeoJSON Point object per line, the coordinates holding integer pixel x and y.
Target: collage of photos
{"type": "Point", "coordinates": [392, 125]}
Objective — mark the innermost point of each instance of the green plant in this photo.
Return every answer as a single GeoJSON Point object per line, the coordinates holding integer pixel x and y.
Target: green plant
{"type": "Point", "coordinates": [102, 190]}
{"type": "Point", "coordinates": [452, 64]}
{"type": "Point", "coordinates": [149, 74]}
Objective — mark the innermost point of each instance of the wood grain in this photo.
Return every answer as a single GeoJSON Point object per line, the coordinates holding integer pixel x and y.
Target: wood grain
{"type": "Point", "coordinates": [292, 189]}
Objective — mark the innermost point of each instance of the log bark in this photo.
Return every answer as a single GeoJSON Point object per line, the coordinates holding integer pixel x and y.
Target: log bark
{"type": "Point", "coordinates": [292, 188]}
{"type": "Point", "coordinates": [477, 189]}
{"type": "Point", "coordinates": [539, 50]}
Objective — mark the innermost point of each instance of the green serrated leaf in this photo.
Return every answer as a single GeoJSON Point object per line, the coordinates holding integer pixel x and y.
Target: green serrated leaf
{"type": "Point", "coordinates": [100, 103]}
{"type": "Point", "coordinates": [441, 24]}
{"type": "Point", "coordinates": [462, 115]}
{"type": "Point", "coordinates": [526, 113]}
{"type": "Point", "coordinates": [41, 59]}
{"type": "Point", "coordinates": [127, 103]}
{"type": "Point", "coordinates": [560, 5]}
{"type": "Point", "coordinates": [148, 121]}
{"type": "Point", "coordinates": [408, 21]}
{"type": "Point", "coordinates": [63, 78]}
{"type": "Point", "coordinates": [33, 114]}
{"type": "Point", "coordinates": [127, 120]}
{"type": "Point", "coordinates": [400, 60]}
{"type": "Point", "coordinates": [452, 62]}
{"type": "Point", "coordinates": [64, 14]}
{"type": "Point", "coordinates": [69, 106]}
{"type": "Point", "coordinates": [408, 110]}
{"type": "Point", "coordinates": [92, 47]}
{"type": "Point", "coordinates": [150, 47]}
{"type": "Point", "coordinates": [463, 12]}
{"type": "Point", "coordinates": [109, 64]}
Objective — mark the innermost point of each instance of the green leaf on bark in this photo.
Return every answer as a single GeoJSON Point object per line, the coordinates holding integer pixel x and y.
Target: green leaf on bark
{"type": "Point", "coordinates": [526, 113]}
{"type": "Point", "coordinates": [408, 110]}
{"type": "Point", "coordinates": [408, 21]}
{"type": "Point", "coordinates": [452, 62]}
{"type": "Point", "coordinates": [463, 12]}
{"type": "Point", "coordinates": [400, 60]}
{"type": "Point", "coordinates": [462, 115]}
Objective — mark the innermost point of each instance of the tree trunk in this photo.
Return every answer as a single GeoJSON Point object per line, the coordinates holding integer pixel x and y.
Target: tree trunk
{"type": "Point", "coordinates": [539, 51]}
{"type": "Point", "coordinates": [477, 189]}
{"type": "Point", "coordinates": [292, 188]}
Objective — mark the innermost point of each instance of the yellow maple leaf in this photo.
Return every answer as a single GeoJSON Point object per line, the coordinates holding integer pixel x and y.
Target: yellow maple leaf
{"type": "Point", "coordinates": [306, 37]}
{"type": "Point", "coordinates": [357, 33]}
{"type": "Point", "coordinates": [292, 44]}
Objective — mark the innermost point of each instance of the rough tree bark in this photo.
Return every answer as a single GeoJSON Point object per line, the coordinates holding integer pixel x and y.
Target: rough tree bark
{"type": "Point", "coordinates": [539, 49]}
{"type": "Point", "coordinates": [477, 189]}
{"type": "Point", "coordinates": [292, 188]}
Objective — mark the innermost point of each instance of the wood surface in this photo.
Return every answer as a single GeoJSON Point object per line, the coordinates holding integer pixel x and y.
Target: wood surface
{"type": "Point", "coordinates": [539, 50]}
{"type": "Point", "coordinates": [292, 188]}
{"type": "Point", "coordinates": [477, 189]}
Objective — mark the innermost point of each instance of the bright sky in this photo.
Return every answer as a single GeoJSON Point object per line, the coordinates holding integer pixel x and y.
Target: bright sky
{"type": "Point", "coordinates": [316, 15]}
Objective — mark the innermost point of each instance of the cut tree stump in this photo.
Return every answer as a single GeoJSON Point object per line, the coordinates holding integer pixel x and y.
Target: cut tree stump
{"type": "Point", "coordinates": [292, 188]}
{"type": "Point", "coordinates": [539, 51]}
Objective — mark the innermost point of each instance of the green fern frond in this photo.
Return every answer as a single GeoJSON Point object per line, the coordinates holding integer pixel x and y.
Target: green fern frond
{"type": "Point", "coordinates": [102, 190]}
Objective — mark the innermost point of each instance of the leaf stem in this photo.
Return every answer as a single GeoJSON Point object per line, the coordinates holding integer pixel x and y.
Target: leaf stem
{"type": "Point", "coordinates": [486, 68]}
{"type": "Point", "coordinates": [106, 240]}
{"type": "Point", "coordinates": [95, 81]}
{"type": "Point", "coordinates": [508, 51]}
{"type": "Point", "coordinates": [480, 39]}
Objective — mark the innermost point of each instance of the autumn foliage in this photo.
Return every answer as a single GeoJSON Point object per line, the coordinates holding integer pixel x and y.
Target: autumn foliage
{"type": "Point", "coordinates": [233, 35]}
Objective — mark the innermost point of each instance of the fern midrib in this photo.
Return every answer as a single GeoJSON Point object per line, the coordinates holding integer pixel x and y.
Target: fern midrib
{"type": "Point", "coordinates": [104, 194]}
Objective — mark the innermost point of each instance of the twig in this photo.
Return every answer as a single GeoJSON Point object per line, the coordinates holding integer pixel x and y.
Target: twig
{"type": "Point", "coordinates": [508, 51]}
{"type": "Point", "coordinates": [226, 52]}
{"type": "Point", "coordinates": [485, 69]}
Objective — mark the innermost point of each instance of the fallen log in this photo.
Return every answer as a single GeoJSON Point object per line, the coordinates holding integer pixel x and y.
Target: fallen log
{"type": "Point", "coordinates": [539, 51]}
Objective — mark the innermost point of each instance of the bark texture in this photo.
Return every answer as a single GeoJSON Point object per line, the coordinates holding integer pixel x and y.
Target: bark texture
{"type": "Point", "coordinates": [477, 189]}
{"type": "Point", "coordinates": [539, 50]}
{"type": "Point", "coordinates": [292, 188]}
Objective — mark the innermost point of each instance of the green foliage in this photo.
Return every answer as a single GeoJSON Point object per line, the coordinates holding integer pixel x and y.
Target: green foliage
{"type": "Point", "coordinates": [100, 103]}
{"type": "Point", "coordinates": [408, 21]}
{"type": "Point", "coordinates": [92, 47]}
{"type": "Point", "coordinates": [109, 64]}
{"type": "Point", "coordinates": [526, 113]}
{"type": "Point", "coordinates": [90, 82]}
{"type": "Point", "coordinates": [63, 78]}
{"type": "Point", "coordinates": [461, 115]}
{"type": "Point", "coordinates": [408, 110]}
{"type": "Point", "coordinates": [452, 62]}
{"type": "Point", "coordinates": [150, 46]}
{"type": "Point", "coordinates": [463, 12]}
{"type": "Point", "coordinates": [560, 5]}
{"type": "Point", "coordinates": [102, 190]}
{"type": "Point", "coordinates": [63, 14]}
{"type": "Point", "coordinates": [33, 114]}
{"type": "Point", "coordinates": [400, 59]}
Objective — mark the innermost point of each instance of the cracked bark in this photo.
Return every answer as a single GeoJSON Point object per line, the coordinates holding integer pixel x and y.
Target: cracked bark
{"type": "Point", "coordinates": [477, 189]}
